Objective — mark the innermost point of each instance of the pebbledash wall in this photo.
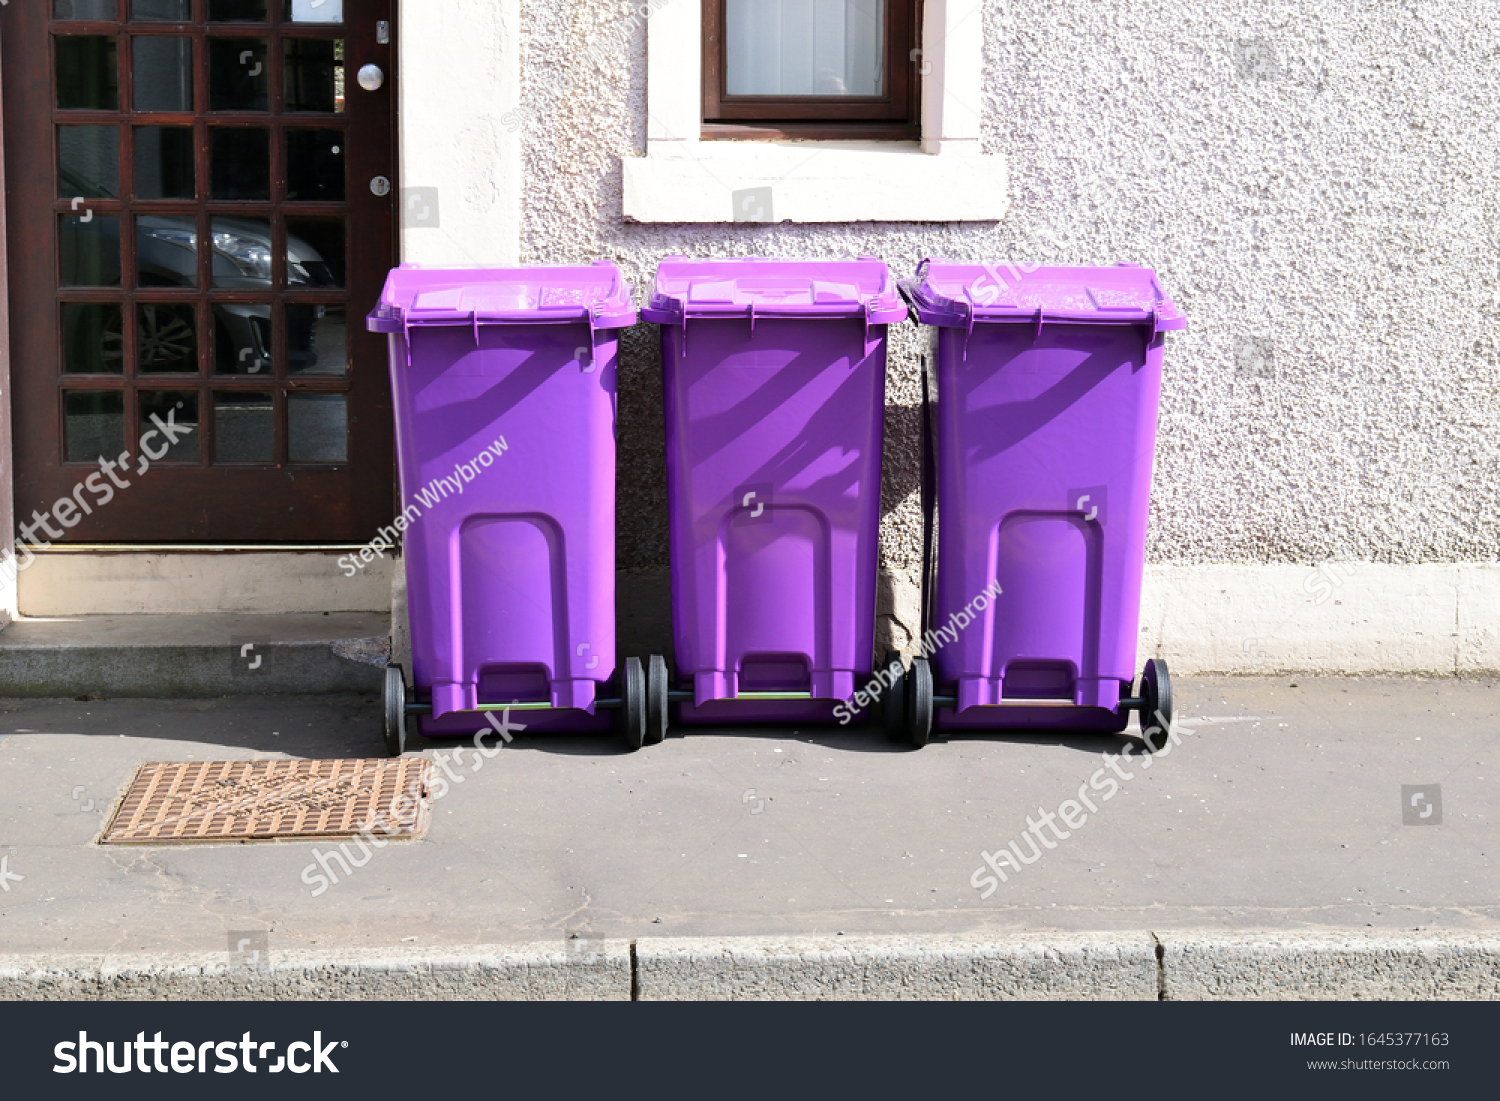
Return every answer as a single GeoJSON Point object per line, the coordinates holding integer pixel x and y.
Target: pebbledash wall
{"type": "Point", "coordinates": [1313, 181]}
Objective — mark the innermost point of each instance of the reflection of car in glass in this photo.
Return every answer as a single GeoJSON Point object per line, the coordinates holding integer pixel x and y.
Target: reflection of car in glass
{"type": "Point", "coordinates": [241, 259]}
{"type": "Point", "coordinates": [166, 256]}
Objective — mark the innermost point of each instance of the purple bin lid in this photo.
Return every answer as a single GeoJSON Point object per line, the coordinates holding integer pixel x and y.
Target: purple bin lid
{"type": "Point", "coordinates": [495, 296]}
{"type": "Point", "coordinates": [957, 296]}
{"type": "Point", "coordinates": [758, 288]}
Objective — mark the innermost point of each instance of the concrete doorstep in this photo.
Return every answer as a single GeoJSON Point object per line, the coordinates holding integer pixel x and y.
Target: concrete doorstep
{"type": "Point", "coordinates": [194, 656]}
{"type": "Point", "coordinates": [1124, 966]}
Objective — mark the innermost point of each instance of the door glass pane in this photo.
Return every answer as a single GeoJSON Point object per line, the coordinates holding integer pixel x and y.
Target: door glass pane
{"type": "Point", "coordinates": [238, 77]}
{"type": "Point", "coordinates": [166, 338]}
{"type": "Point", "coordinates": [94, 425]}
{"type": "Point", "coordinates": [171, 11]}
{"type": "Point", "coordinates": [317, 428]}
{"type": "Point", "coordinates": [93, 338]}
{"type": "Point", "coordinates": [177, 409]}
{"type": "Point", "coordinates": [90, 250]}
{"type": "Point", "coordinates": [237, 11]}
{"type": "Point", "coordinates": [805, 47]}
{"type": "Point", "coordinates": [162, 68]}
{"type": "Point", "coordinates": [88, 162]}
{"type": "Point", "coordinates": [85, 9]}
{"type": "Point", "coordinates": [316, 340]}
{"type": "Point", "coordinates": [87, 74]}
{"type": "Point", "coordinates": [242, 253]}
{"type": "Point", "coordinates": [315, 252]}
{"type": "Point", "coordinates": [315, 165]}
{"type": "Point", "coordinates": [315, 11]}
{"type": "Point", "coordinates": [164, 163]}
{"type": "Point", "coordinates": [242, 338]}
{"type": "Point", "coordinates": [166, 250]}
{"type": "Point", "coordinates": [244, 428]}
{"type": "Point", "coordinates": [240, 163]}
{"type": "Point", "coordinates": [314, 74]}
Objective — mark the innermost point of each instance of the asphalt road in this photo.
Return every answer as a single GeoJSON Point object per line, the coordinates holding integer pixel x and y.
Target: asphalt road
{"type": "Point", "coordinates": [1281, 810]}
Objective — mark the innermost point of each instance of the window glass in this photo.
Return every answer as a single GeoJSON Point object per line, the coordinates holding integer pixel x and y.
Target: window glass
{"type": "Point", "coordinates": [94, 425]}
{"type": "Point", "coordinates": [88, 162]}
{"type": "Point", "coordinates": [805, 47]}
{"type": "Point", "coordinates": [244, 427]}
{"type": "Point", "coordinates": [87, 75]}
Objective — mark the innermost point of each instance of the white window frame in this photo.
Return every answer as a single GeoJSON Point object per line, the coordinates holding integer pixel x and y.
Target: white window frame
{"type": "Point", "coordinates": [942, 178]}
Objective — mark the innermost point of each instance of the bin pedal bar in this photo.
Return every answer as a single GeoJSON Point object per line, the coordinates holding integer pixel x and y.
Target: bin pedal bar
{"type": "Point", "coordinates": [952, 701]}
{"type": "Point", "coordinates": [687, 695]}
{"type": "Point", "coordinates": [602, 705]}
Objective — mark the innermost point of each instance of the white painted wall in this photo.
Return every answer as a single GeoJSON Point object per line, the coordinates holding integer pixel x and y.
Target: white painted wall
{"type": "Point", "coordinates": [459, 87]}
{"type": "Point", "coordinates": [1334, 617]}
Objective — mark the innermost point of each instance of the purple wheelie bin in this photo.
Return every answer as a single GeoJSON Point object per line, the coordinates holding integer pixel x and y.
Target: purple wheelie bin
{"type": "Point", "coordinates": [774, 380]}
{"type": "Point", "coordinates": [1042, 389]}
{"type": "Point", "coordinates": [504, 387]}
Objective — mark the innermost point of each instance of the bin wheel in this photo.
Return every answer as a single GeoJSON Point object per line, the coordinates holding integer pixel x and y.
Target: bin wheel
{"type": "Point", "coordinates": [658, 679]}
{"type": "Point", "coordinates": [395, 710]}
{"type": "Point", "coordinates": [893, 711]}
{"type": "Point", "coordinates": [1156, 715]}
{"type": "Point", "coordinates": [633, 703]}
{"type": "Point", "coordinates": [919, 702]}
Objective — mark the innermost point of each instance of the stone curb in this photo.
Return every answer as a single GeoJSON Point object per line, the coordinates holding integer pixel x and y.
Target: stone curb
{"type": "Point", "coordinates": [484, 973]}
{"type": "Point", "coordinates": [1316, 966]}
{"type": "Point", "coordinates": [1123, 966]}
{"type": "Point", "coordinates": [1029, 967]}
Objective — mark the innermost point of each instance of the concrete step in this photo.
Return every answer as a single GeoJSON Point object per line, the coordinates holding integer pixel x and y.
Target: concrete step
{"type": "Point", "coordinates": [194, 656]}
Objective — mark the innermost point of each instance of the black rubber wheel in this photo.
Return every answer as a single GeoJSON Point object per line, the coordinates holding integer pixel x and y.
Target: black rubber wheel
{"type": "Point", "coordinates": [395, 710]}
{"type": "Point", "coordinates": [658, 679]}
{"type": "Point", "coordinates": [893, 711]}
{"type": "Point", "coordinates": [1156, 715]}
{"type": "Point", "coordinates": [633, 703]}
{"type": "Point", "coordinates": [919, 702]}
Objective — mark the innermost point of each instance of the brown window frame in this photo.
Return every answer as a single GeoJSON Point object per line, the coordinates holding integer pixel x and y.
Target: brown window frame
{"type": "Point", "coordinates": [895, 116]}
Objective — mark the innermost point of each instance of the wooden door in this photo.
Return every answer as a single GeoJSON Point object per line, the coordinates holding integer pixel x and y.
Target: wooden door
{"type": "Point", "coordinates": [200, 202]}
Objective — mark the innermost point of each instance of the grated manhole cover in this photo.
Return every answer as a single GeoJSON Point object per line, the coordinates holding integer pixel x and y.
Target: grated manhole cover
{"type": "Point", "coordinates": [270, 800]}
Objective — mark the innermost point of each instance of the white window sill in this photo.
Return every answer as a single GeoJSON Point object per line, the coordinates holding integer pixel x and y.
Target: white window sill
{"type": "Point", "coordinates": [814, 181]}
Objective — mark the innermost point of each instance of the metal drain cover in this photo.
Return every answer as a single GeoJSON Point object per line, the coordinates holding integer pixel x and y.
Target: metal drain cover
{"type": "Point", "coordinates": [270, 801]}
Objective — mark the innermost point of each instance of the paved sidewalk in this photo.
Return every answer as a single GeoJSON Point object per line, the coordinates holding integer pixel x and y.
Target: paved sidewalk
{"type": "Point", "coordinates": [1282, 811]}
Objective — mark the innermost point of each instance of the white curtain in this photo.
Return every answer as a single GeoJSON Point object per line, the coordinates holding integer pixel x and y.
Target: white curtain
{"type": "Point", "coordinates": [805, 47]}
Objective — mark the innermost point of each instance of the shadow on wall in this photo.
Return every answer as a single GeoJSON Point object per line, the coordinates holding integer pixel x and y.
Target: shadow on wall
{"type": "Point", "coordinates": [641, 459]}
{"type": "Point", "coordinates": [643, 613]}
{"type": "Point", "coordinates": [902, 469]}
